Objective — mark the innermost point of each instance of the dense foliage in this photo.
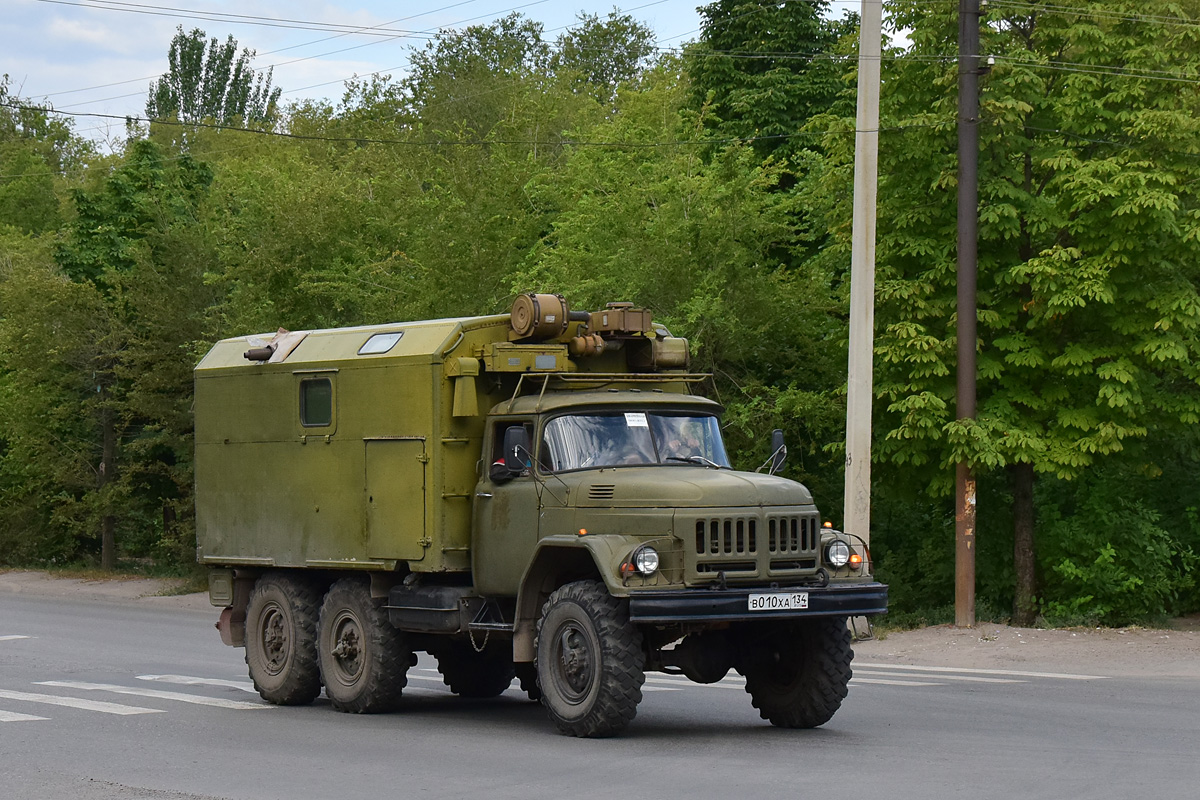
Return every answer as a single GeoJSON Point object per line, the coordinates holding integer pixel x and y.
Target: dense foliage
{"type": "Point", "coordinates": [711, 185]}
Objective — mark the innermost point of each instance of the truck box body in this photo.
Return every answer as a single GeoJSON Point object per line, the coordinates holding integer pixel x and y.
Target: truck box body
{"type": "Point", "coordinates": [390, 477]}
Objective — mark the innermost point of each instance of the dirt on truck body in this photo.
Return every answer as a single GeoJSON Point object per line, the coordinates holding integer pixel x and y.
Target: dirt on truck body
{"type": "Point", "coordinates": [538, 494]}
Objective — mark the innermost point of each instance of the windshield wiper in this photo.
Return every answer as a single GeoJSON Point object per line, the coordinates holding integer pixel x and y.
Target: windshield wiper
{"type": "Point", "coordinates": [695, 460]}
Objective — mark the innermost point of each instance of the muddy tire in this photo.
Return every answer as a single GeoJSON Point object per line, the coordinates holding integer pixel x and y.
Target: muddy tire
{"type": "Point", "coordinates": [281, 639]}
{"type": "Point", "coordinates": [590, 662]}
{"type": "Point", "coordinates": [476, 674]}
{"type": "Point", "coordinates": [798, 675]}
{"type": "Point", "coordinates": [364, 660]}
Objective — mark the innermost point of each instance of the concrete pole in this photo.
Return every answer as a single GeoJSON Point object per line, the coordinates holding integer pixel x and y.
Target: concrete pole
{"type": "Point", "coordinates": [860, 378]}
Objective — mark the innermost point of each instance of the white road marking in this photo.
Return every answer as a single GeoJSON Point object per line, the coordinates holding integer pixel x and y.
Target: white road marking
{"type": "Point", "coordinates": [941, 677]}
{"type": "Point", "coordinates": [218, 702]}
{"type": "Point", "coordinates": [188, 680]}
{"type": "Point", "coordinates": [683, 683]}
{"type": "Point", "coordinates": [10, 637]}
{"type": "Point", "coordinates": [881, 682]}
{"type": "Point", "coordinates": [1015, 673]}
{"type": "Point", "coordinates": [12, 716]}
{"type": "Point", "coordinates": [75, 702]}
{"type": "Point", "coordinates": [739, 683]}
{"type": "Point", "coordinates": [437, 678]}
{"type": "Point", "coordinates": [662, 688]}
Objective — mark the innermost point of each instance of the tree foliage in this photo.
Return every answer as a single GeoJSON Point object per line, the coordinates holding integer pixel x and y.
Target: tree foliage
{"type": "Point", "coordinates": [37, 151]}
{"type": "Point", "coordinates": [761, 69]}
{"type": "Point", "coordinates": [600, 56]}
{"type": "Point", "coordinates": [211, 82]}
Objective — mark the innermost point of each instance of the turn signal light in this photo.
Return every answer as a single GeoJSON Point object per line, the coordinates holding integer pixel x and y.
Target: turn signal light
{"type": "Point", "coordinates": [855, 560]}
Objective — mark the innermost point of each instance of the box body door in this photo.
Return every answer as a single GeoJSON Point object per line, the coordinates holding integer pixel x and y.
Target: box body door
{"type": "Point", "coordinates": [395, 495]}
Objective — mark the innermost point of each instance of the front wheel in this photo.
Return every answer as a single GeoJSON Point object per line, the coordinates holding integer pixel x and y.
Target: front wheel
{"type": "Point", "coordinates": [590, 662]}
{"type": "Point", "coordinates": [797, 675]}
{"type": "Point", "coordinates": [364, 660]}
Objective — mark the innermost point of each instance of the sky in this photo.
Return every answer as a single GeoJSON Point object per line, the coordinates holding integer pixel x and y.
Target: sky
{"type": "Point", "coordinates": [99, 56]}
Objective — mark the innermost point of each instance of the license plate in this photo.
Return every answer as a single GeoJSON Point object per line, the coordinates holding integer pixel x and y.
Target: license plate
{"type": "Point", "coordinates": [779, 601]}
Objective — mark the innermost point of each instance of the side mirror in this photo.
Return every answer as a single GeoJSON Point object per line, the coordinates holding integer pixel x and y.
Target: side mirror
{"type": "Point", "coordinates": [778, 451]}
{"type": "Point", "coordinates": [516, 449]}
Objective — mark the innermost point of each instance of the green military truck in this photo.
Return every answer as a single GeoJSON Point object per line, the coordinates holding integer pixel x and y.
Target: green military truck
{"type": "Point", "coordinates": [536, 494]}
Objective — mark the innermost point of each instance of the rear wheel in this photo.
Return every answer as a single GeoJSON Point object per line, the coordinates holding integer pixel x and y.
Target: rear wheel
{"type": "Point", "coordinates": [364, 660]}
{"type": "Point", "coordinates": [590, 662]}
{"type": "Point", "coordinates": [281, 635]}
{"type": "Point", "coordinates": [797, 675]}
{"type": "Point", "coordinates": [469, 673]}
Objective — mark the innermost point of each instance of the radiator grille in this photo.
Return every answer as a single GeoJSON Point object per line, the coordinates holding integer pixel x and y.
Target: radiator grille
{"type": "Point", "coordinates": [754, 544]}
{"type": "Point", "coordinates": [727, 536]}
{"type": "Point", "coordinates": [791, 534]}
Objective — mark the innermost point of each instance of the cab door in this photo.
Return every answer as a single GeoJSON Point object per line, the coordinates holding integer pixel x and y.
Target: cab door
{"type": "Point", "coordinates": [507, 518]}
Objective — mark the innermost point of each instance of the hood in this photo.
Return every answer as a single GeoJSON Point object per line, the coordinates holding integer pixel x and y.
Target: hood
{"type": "Point", "coordinates": [683, 487]}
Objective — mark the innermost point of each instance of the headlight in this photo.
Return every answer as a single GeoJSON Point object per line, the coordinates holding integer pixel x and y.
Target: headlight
{"type": "Point", "coordinates": [837, 553]}
{"type": "Point", "coordinates": [645, 560]}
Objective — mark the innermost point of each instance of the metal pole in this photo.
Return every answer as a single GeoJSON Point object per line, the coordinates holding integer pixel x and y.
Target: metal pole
{"type": "Point", "coordinates": [859, 386]}
{"type": "Point", "coordinates": [968, 233]}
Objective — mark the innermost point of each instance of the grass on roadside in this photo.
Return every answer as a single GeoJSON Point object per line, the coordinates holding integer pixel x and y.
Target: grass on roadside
{"type": "Point", "coordinates": [176, 582]}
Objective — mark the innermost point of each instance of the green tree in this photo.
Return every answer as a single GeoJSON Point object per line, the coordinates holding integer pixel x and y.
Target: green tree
{"type": "Point", "coordinates": [211, 82]}
{"type": "Point", "coordinates": [469, 81]}
{"type": "Point", "coordinates": [107, 334]}
{"type": "Point", "coordinates": [37, 149]}
{"type": "Point", "coordinates": [1089, 246]}
{"type": "Point", "coordinates": [49, 329]}
{"type": "Point", "coordinates": [599, 56]}
{"type": "Point", "coordinates": [763, 68]}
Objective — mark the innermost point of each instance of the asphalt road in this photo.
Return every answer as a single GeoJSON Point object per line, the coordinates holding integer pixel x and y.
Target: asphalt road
{"type": "Point", "coordinates": [113, 700]}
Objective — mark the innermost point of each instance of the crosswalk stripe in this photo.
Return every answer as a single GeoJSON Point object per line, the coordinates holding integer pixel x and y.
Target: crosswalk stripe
{"type": "Point", "coordinates": [76, 702]}
{"type": "Point", "coordinates": [940, 676]}
{"type": "Point", "coordinates": [12, 716]}
{"type": "Point", "coordinates": [680, 684]}
{"type": "Point", "coordinates": [910, 668]}
{"type": "Point", "coordinates": [10, 637]}
{"type": "Point", "coordinates": [218, 702]}
{"type": "Point", "coordinates": [437, 678]}
{"type": "Point", "coordinates": [188, 680]}
{"type": "Point", "coordinates": [882, 682]}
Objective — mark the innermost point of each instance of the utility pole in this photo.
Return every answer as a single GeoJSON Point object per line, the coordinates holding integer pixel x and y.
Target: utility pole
{"type": "Point", "coordinates": [860, 384]}
{"type": "Point", "coordinates": [968, 234]}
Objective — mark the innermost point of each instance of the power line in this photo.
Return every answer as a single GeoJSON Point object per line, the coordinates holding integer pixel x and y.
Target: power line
{"type": "Point", "coordinates": [241, 19]}
{"type": "Point", "coordinates": [280, 50]}
{"type": "Point", "coordinates": [1086, 11]}
{"type": "Point", "coordinates": [360, 140]}
{"type": "Point", "coordinates": [428, 34]}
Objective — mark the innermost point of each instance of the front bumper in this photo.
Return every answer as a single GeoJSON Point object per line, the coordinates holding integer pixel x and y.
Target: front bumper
{"type": "Point", "coordinates": [733, 605]}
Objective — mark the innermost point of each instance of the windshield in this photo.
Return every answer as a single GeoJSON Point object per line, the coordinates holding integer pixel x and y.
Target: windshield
{"type": "Point", "coordinates": [580, 441]}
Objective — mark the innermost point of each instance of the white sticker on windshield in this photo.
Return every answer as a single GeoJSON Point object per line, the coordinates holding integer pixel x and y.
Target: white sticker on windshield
{"type": "Point", "coordinates": [636, 419]}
